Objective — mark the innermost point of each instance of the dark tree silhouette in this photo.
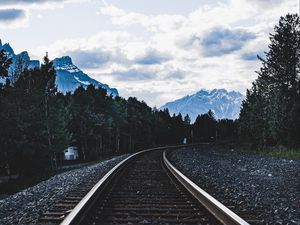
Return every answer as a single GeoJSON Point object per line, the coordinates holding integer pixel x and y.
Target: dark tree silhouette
{"type": "Point", "coordinates": [204, 128]}
{"type": "Point", "coordinates": [270, 114]}
{"type": "Point", "coordinates": [4, 63]}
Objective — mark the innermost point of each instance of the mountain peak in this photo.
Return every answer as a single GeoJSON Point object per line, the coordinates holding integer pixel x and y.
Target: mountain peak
{"type": "Point", "coordinates": [221, 90]}
{"type": "Point", "coordinates": [65, 63]}
{"type": "Point", "coordinates": [8, 49]}
{"type": "Point", "coordinates": [224, 104]}
{"type": "Point", "coordinates": [202, 90]}
{"type": "Point", "coordinates": [62, 61]}
{"type": "Point", "coordinates": [24, 54]}
{"type": "Point", "coordinates": [69, 77]}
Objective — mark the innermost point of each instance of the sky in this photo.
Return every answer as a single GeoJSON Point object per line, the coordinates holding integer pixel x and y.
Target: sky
{"type": "Point", "coordinates": [157, 50]}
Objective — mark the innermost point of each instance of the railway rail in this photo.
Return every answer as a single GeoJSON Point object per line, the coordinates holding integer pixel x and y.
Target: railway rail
{"type": "Point", "coordinates": [145, 188]}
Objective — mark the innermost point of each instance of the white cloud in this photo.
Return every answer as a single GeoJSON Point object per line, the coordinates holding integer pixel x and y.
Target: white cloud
{"type": "Point", "coordinates": [167, 57]}
{"type": "Point", "coordinates": [37, 4]}
{"type": "Point", "coordinates": [25, 7]}
{"type": "Point", "coordinates": [153, 23]}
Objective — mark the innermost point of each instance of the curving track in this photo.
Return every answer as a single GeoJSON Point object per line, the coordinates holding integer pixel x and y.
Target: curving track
{"type": "Point", "coordinates": [146, 189]}
{"type": "Point", "coordinates": [145, 194]}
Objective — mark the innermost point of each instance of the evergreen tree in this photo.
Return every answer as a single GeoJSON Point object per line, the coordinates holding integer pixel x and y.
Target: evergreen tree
{"type": "Point", "coordinates": [227, 130]}
{"type": "Point", "coordinates": [48, 73]}
{"type": "Point", "coordinates": [187, 127]}
{"type": "Point", "coordinates": [59, 120]}
{"type": "Point", "coordinates": [120, 124]}
{"type": "Point", "coordinates": [204, 128]}
{"type": "Point", "coordinates": [11, 135]}
{"type": "Point", "coordinates": [270, 114]}
{"type": "Point", "coordinates": [4, 63]}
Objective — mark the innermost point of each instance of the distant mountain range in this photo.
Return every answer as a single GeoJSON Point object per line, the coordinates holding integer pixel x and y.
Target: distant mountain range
{"type": "Point", "coordinates": [223, 104]}
{"type": "Point", "coordinates": [68, 76]}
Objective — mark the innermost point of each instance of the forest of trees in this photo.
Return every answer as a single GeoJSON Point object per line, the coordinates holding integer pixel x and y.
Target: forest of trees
{"type": "Point", "coordinates": [37, 123]}
{"type": "Point", "coordinates": [270, 115]}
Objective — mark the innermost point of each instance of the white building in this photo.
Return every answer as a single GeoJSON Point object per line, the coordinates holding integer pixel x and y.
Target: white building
{"type": "Point", "coordinates": [71, 153]}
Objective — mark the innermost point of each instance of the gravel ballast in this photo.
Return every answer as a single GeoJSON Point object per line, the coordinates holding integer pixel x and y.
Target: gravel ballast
{"type": "Point", "coordinates": [26, 206]}
{"type": "Point", "coordinates": [267, 186]}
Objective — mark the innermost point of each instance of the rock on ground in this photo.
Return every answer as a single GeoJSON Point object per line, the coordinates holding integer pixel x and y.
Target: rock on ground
{"type": "Point", "coordinates": [25, 206]}
{"type": "Point", "coordinates": [268, 186]}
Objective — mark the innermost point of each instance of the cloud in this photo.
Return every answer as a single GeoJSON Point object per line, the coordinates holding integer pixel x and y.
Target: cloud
{"type": "Point", "coordinates": [191, 41]}
{"type": "Point", "coordinates": [35, 4]}
{"type": "Point", "coordinates": [103, 43]}
{"type": "Point", "coordinates": [9, 2]}
{"type": "Point", "coordinates": [90, 59]}
{"type": "Point", "coordinates": [266, 4]}
{"type": "Point", "coordinates": [135, 74]}
{"type": "Point", "coordinates": [152, 56]}
{"type": "Point", "coordinates": [13, 18]}
{"type": "Point", "coordinates": [10, 15]}
{"type": "Point", "coordinates": [154, 23]}
{"type": "Point", "coordinates": [17, 12]}
{"type": "Point", "coordinates": [177, 74]}
{"type": "Point", "coordinates": [147, 95]}
{"type": "Point", "coordinates": [249, 56]}
{"type": "Point", "coordinates": [28, 2]}
{"type": "Point", "coordinates": [161, 57]}
{"type": "Point", "coordinates": [222, 41]}
{"type": "Point", "coordinates": [96, 58]}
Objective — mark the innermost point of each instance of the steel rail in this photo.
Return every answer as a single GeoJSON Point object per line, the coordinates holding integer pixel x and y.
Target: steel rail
{"type": "Point", "coordinates": [220, 211]}
{"type": "Point", "coordinates": [77, 214]}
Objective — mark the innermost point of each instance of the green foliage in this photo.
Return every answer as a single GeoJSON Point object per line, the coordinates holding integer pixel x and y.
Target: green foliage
{"type": "Point", "coordinates": [270, 114]}
{"type": "Point", "coordinates": [32, 122]}
{"type": "Point", "coordinates": [293, 153]}
{"type": "Point", "coordinates": [277, 151]}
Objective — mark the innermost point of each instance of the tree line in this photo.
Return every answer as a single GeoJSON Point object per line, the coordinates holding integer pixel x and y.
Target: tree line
{"type": "Point", "coordinates": [37, 122]}
{"type": "Point", "coordinates": [270, 114]}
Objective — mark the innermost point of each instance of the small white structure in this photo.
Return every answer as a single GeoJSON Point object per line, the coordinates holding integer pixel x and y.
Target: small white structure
{"type": "Point", "coordinates": [71, 153]}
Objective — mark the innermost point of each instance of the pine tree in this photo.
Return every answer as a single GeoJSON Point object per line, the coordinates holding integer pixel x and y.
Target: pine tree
{"type": "Point", "coordinates": [59, 119]}
{"type": "Point", "coordinates": [49, 76]}
{"type": "Point", "coordinates": [282, 62]}
{"type": "Point", "coordinates": [4, 63]}
{"type": "Point", "coordinates": [187, 128]}
{"type": "Point", "coordinates": [270, 114]}
{"type": "Point", "coordinates": [204, 128]}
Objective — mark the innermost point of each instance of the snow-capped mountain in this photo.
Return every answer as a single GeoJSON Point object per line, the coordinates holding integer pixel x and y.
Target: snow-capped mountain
{"type": "Point", "coordinates": [224, 104]}
{"type": "Point", "coordinates": [68, 76]}
{"type": "Point", "coordinates": [20, 62]}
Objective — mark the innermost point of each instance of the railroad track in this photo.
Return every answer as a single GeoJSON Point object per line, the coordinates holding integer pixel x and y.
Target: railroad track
{"type": "Point", "coordinates": [145, 189]}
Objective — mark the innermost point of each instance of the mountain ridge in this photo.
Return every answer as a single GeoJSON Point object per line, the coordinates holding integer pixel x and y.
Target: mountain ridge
{"type": "Point", "coordinates": [68, 76]}
{"type": "Point", "coordinates": [223, 103]}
